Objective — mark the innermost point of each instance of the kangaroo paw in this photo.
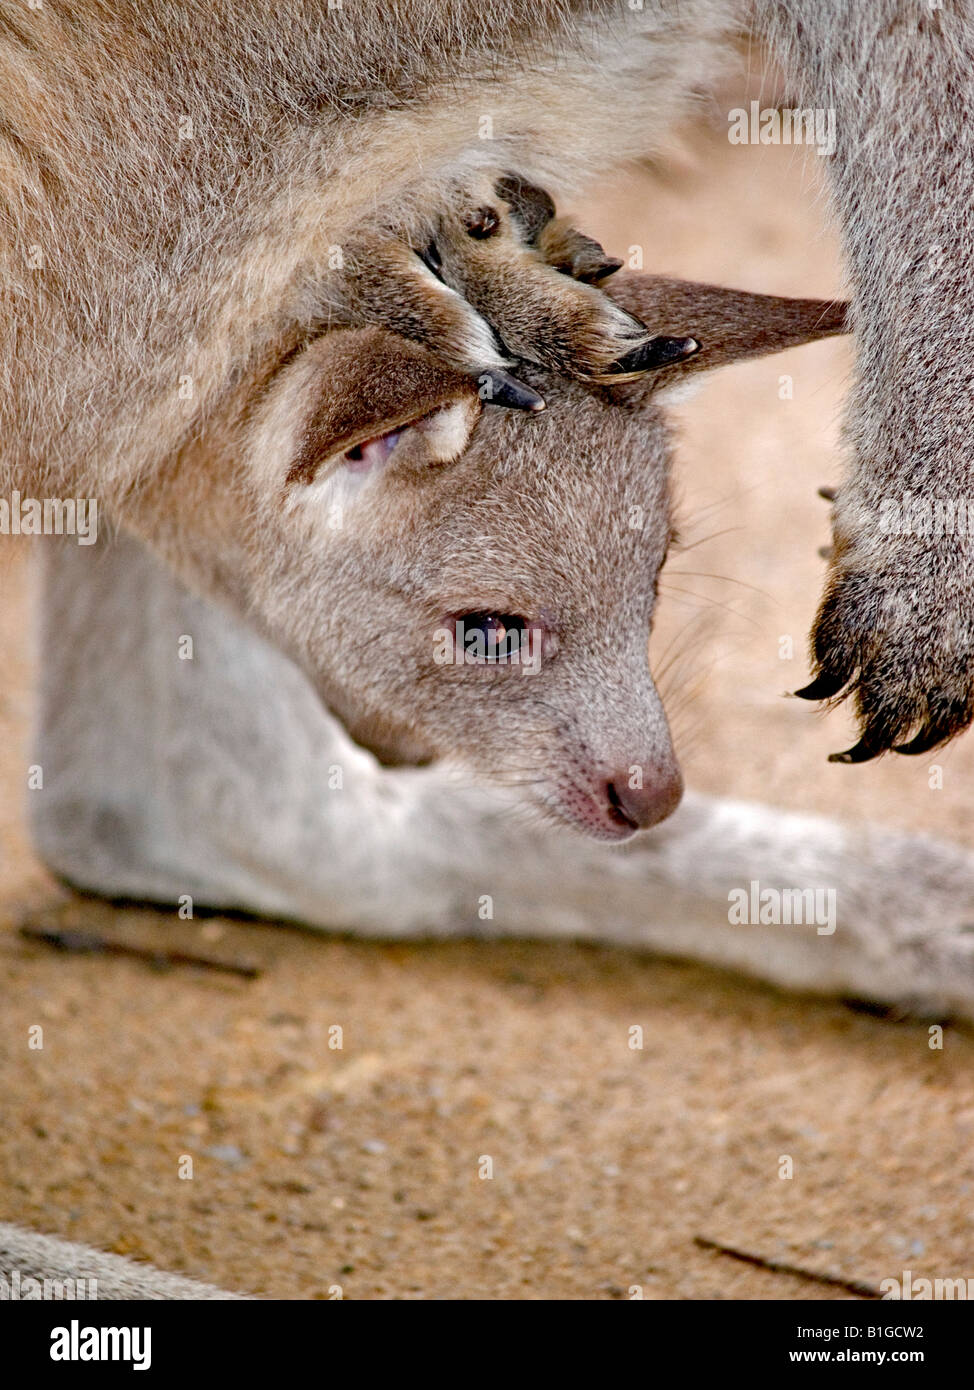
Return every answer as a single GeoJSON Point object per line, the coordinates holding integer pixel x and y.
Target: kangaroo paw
{"type": "Point", "coordinates": [493, 276]}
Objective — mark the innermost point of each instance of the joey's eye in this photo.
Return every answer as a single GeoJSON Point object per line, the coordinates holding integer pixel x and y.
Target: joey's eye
{"type": "Point", "coordinates": [490, 636]}
{"type": "Point", "coordinates": [361, 457]}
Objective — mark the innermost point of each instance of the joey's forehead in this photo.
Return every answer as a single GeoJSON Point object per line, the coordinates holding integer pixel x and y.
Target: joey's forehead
{"type": "Point", "coordinates": [556, 523]}
{"type": "Point", "coordinates": [553, 536]}
{"type": "Point", "coordinates": [612, 493]}
{"type": "Point", "coordinates": [585, 446]}
{"type": "Point", "coordinates": [560, 502]}
{"type": "Point", "coordinates": [600, 511]}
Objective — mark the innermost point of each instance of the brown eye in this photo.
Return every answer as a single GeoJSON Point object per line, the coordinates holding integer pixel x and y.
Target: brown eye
{"type": "Point", "coordinates": [489, 636]}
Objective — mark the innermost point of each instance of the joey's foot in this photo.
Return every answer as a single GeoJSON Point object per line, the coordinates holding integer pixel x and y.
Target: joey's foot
{"type": "Point", "coordinates": [895, 631]}
{"type": "Point", "coordinates": [493, 276]}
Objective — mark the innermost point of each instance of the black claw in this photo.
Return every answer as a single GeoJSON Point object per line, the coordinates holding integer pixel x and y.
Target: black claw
{"type": "Point", "coordinates": [825, 551]}
{"type": "Point", "coordinates": [498, 388]}
{"type": "Point", "coordinates": [829, 493]}
{"type": "Point", "coordinates": [658, 352]}
{"type": "Point", "coordinates": [924, 741]}
{"type": "Point", "coordinates": [823, 687]}
{"type": "Point", "coordinates": [862, 752]}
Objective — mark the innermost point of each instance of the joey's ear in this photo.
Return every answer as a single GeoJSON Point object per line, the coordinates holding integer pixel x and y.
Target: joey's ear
{"type": "Point", "coordinates": [348, 387]}
{"type": "Point", "coordinates": [730, 325]}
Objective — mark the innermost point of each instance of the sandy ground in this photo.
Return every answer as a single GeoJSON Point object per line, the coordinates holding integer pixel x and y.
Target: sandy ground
{"type": "Point", "coordinates": [316, 1167]}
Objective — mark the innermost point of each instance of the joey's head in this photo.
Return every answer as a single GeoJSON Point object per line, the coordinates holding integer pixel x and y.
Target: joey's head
{"type": "Point", "coordinates": [494, 609]}
{"type": "Point", "coordinates": [474, 584]}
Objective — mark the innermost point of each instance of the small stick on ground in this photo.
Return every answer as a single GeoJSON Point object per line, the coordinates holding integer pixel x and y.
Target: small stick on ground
{"type": "Point", "coordinates": [86, 942]}
{"type": "Point", "coordinates": [834, 1281]}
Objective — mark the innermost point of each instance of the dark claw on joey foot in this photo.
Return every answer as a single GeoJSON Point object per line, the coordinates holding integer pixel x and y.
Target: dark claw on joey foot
{"type": "Point", "coordinates": [498, 388]}
{"type": "Point", "coordinates": [823, 687]}
{"type": "Point", "coordinates": [658, 352]}
{"type": "Point", "coordinates": [829, 493]}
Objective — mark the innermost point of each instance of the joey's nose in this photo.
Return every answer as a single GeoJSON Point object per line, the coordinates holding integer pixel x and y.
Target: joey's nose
{"type": "Point", "coordinates": [643, 796]}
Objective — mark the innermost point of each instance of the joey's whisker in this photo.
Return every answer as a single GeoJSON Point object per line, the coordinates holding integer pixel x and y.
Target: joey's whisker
{"type": "Point", "coordinates": [725, 579]}
{"type": "Point", "coordinates": [682, 547]}
{"type": "Point", "coordinates": [715, 604]}
{"type": "Point", "coordinates": [674, 647]}
{"type": "Point", "coordinates": [672, 667]}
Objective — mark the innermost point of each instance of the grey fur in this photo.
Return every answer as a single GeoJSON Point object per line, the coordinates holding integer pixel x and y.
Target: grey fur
{"type": "Point", "coordinates": [313, 126]}
{"type": "Point", "coordinates": [30, 1255]}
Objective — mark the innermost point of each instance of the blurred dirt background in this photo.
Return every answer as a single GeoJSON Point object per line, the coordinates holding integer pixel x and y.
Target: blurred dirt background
{"type": "Point", "coordinates": [359, 1168]}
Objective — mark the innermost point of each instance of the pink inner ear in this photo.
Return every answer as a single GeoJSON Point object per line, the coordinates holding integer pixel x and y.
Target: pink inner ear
{"type": "Point", "coordinates": [371, 452]}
